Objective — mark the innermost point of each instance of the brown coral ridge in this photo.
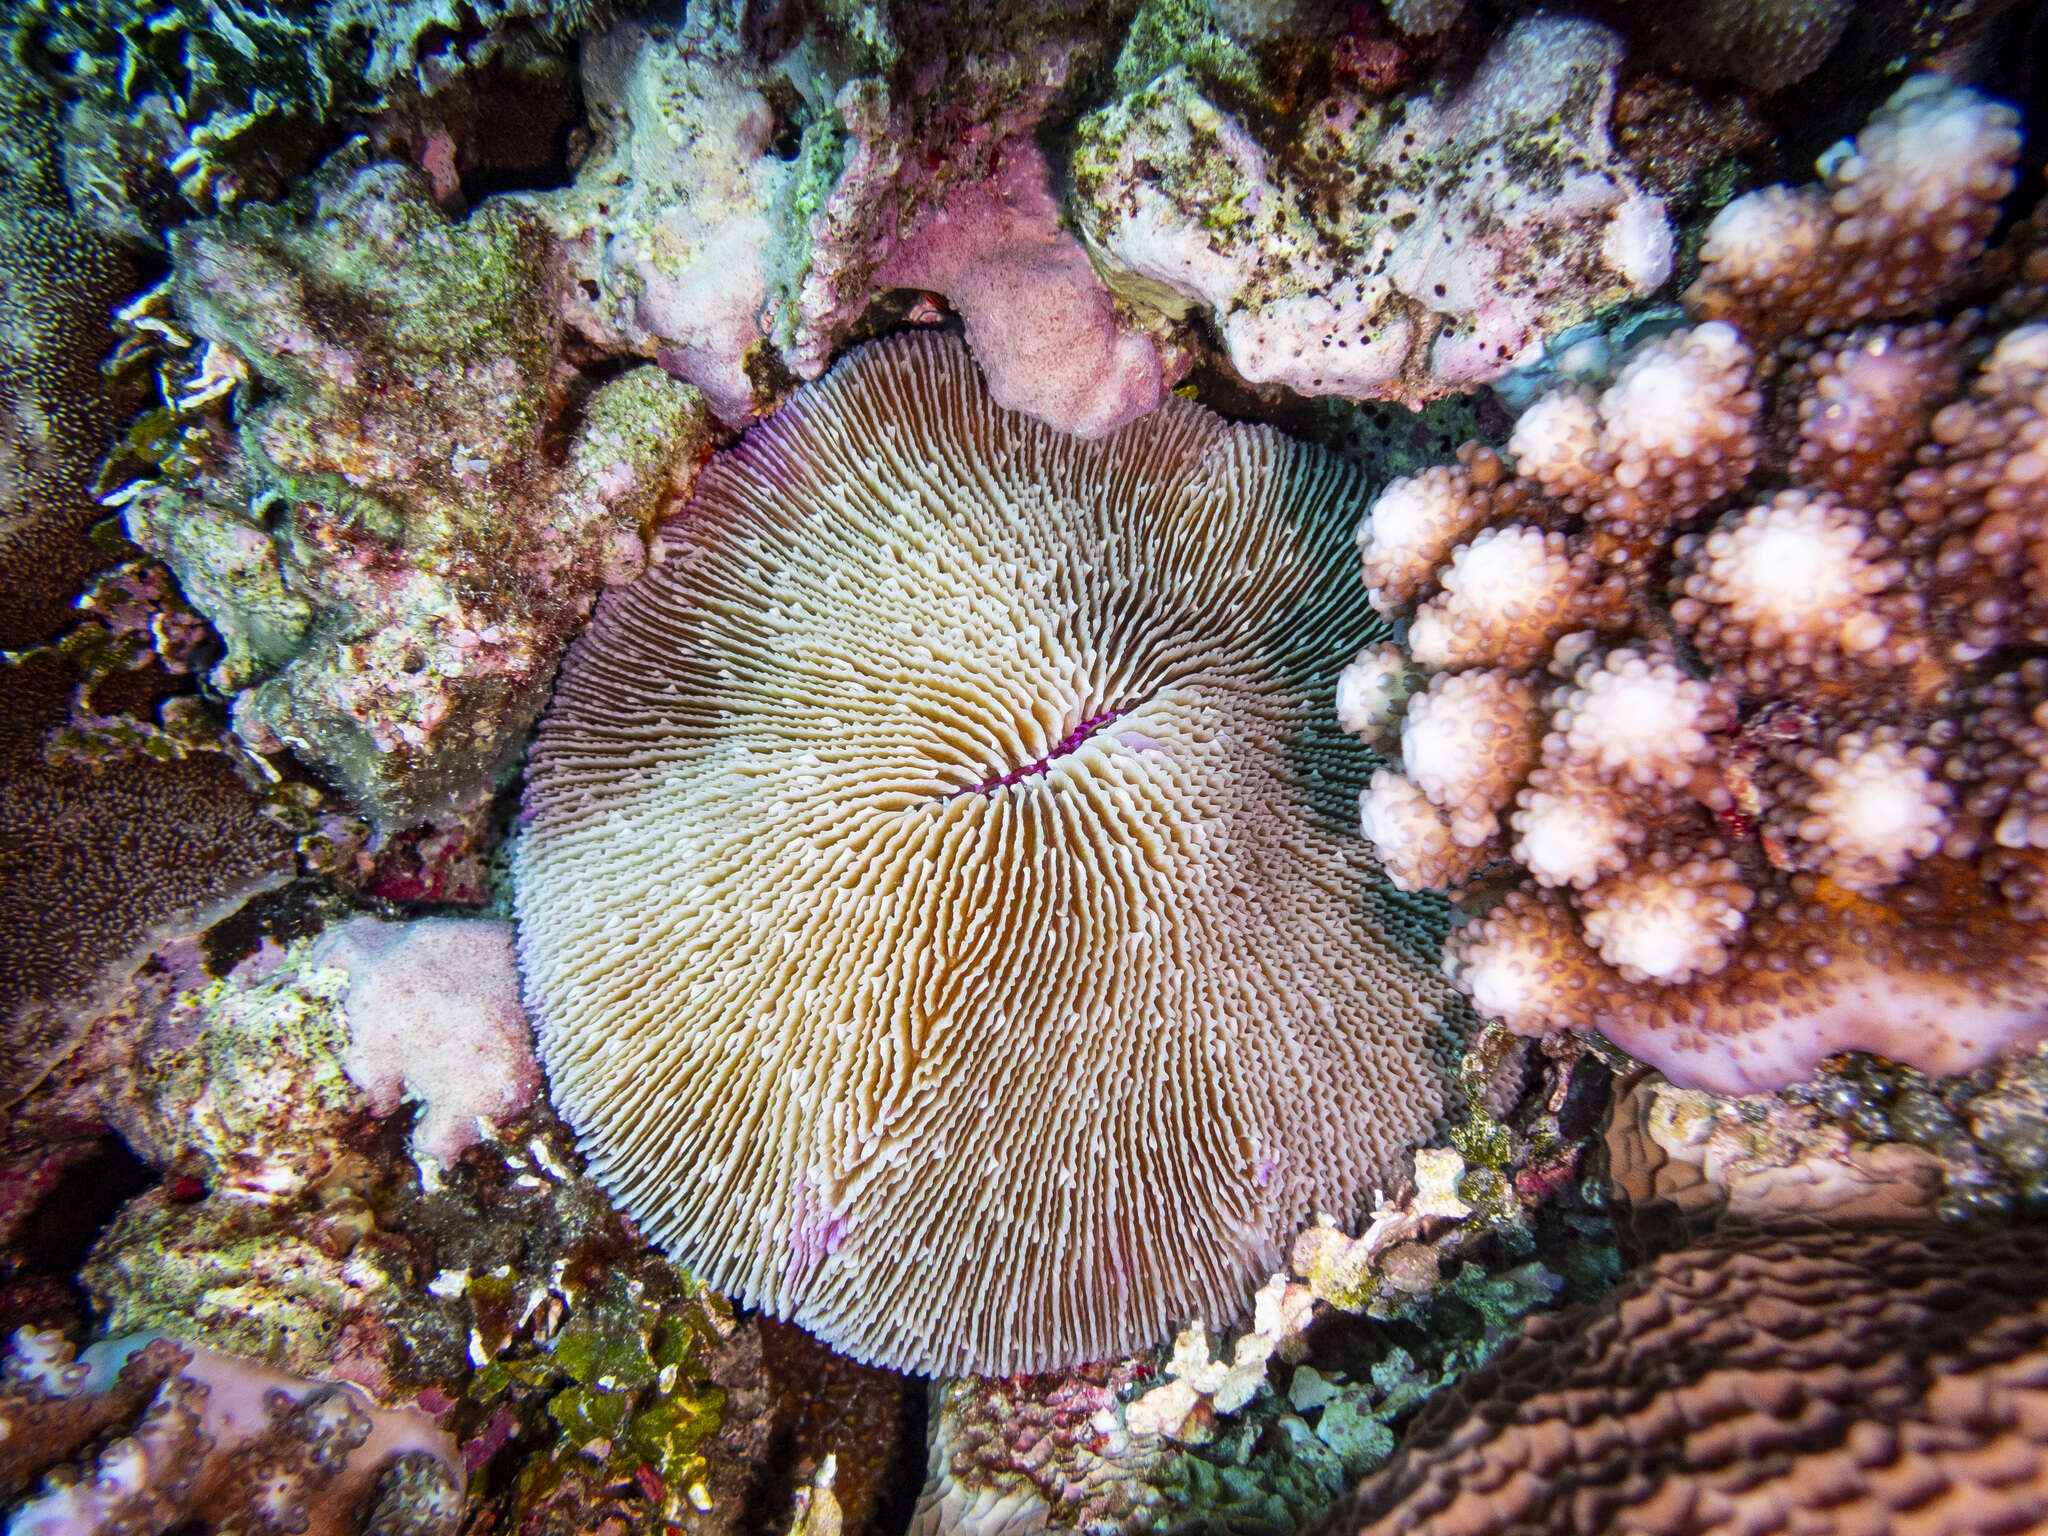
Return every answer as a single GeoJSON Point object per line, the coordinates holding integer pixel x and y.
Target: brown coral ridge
{"type": "Point", "coordinates": [1815, 1379]}
{"type": "Point", "coordinates": [1735, 659]}
{"type": "Point", "coordinates": [933, 900]}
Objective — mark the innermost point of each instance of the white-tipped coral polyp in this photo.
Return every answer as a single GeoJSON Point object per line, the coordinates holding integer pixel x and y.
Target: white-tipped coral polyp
{"type": "Point", "coordinates": [1755, 622]}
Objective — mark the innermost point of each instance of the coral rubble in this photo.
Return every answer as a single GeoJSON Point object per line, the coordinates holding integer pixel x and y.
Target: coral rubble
{"type": "Point", "coordinates": [296, 1224]}
{"type": "Point", "coordinates": [938, 736]}
{"type": "Point", "coordinates": [389, 544]}
{"type": "Point", "coordinates": [1401, 249]}
{"type": "Point", "coordinates": [1865, 1138]}
{"type": "Point", "coordinates": [1731, 658]}
{"type": "Point", "coordinates": [198, 106]}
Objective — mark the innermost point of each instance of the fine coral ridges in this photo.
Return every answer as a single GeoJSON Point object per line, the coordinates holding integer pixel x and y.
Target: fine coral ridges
{"type": "Point", "coordinates": [951, 759]}
{"type": "Point", "coordinates": [1856, 1378]}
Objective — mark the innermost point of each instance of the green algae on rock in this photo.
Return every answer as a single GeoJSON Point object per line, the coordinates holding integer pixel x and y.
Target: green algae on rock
{"type": "Point", "coordinates": [391, 541]}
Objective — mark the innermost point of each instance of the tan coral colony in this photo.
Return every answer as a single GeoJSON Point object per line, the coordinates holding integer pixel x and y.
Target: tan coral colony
{"type": "Point", "coordinates": [937, 897]}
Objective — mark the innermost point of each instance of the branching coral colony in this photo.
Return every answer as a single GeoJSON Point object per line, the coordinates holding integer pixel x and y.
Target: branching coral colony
{"type": "Point", "coordinates": [1735, 660]}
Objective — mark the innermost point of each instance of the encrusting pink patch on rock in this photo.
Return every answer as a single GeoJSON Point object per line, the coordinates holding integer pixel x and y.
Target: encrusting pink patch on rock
{"type": "Point", "coordinates": [1039, 320]}
{"type": "Point", "coordinates": [434, 1016]}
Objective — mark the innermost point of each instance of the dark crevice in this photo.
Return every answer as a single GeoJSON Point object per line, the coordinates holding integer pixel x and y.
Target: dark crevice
{"type": "Point", "coordinates": [1038, 766]}
{"type": "Point", "coordinates": [826, 1405]}
{"type": "Point", "coordinates": [58, 1235]}
{"type": "Point", "coordinates": [593, 370]}
{"type": "Point", "coordinates": [293, 911]}
{"type": "Point", "coordinates": [546, 173]}
{"type": "Point", "coordinates": [897, 1491]}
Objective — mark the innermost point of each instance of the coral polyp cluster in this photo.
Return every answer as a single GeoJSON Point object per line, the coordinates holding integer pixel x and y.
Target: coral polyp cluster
{"type": "Point", "coordinates": [141, 1434]}
{"type": "Point", "coordinates": [1900, 215]}
{"type": "Point", "coordinates": [1730, 657]}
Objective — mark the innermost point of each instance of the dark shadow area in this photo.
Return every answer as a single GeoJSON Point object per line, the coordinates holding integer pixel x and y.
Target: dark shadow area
{"type": "Point", "coordinates": [39, 1280]}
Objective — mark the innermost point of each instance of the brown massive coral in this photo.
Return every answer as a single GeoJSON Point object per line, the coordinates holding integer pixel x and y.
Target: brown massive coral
{"type": "Point", "coordinates": [1734, 660]}
{"type": "Point", "coordinates": [1818, 1380]}
{"type": "Point", "coordinates": [96, 860]}
{"type": "Point", "coordinates": [59, 280]}
{"type": "Point", "coordinates": [935, 900]}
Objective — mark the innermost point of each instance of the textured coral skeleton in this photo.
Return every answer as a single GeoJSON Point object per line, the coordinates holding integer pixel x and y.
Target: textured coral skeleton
{"type": "Point", "coordinates": [942, 755]}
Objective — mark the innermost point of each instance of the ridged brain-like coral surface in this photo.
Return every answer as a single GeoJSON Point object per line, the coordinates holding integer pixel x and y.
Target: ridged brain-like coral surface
{"type": "Point", "coordinates": [1737, 661]}
{"type": "Point", "coordinates": [936, 901]}
{"type": "Point", "coordinates": [1816, 1381]}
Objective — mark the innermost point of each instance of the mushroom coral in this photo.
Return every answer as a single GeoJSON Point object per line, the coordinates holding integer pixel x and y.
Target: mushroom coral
{"type": "Point", "coordinates": [1738, 661]}
{"type": "Point", "coordinates": [935, 899]}
{"type": "Point", "coordinates": [1809, 1380]}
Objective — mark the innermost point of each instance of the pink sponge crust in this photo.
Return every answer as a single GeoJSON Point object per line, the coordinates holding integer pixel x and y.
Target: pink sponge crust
{"type": "Point", "coordinates": [434, 1016]}
{"type": "Point", "coordinates": [1039, 320]}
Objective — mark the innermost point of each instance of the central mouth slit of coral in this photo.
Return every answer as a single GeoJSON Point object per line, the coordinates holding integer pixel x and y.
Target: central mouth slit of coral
{"type": "Point", "coordinates": [1066, 744]}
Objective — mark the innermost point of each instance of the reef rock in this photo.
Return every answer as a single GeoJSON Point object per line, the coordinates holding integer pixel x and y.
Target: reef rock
{"type": "Point", "coordinates": [259, 1082]}
{"type": "Point", "coordinates": [1400, 249]}
{"type": "Point", "coordinates": [393, 543]}
{"type": "Point", "coordinates": [1264, 1422]}
{"type": "Point", "coordinates": [667, 233]}
{"type": "Point", "coordinates": [1865, 1139]}
{"type": "Point", "coordinates": [434, 1018]}
{"type": "Point", "coordinates": [741, 214]}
